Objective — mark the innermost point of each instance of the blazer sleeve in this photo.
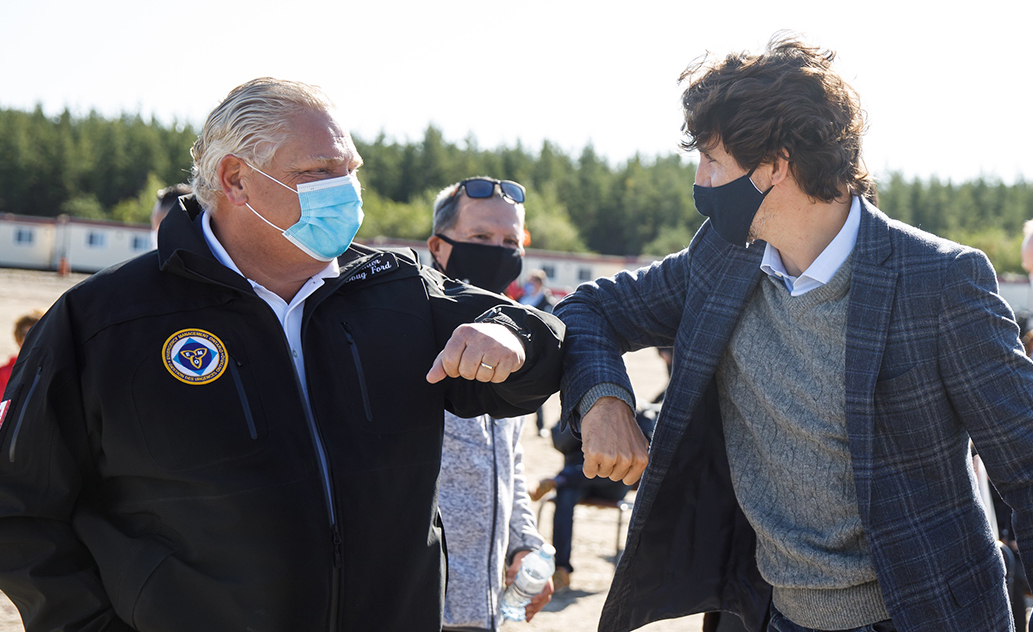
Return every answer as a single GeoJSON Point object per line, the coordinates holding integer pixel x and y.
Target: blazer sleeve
{"type": "Point", "coordinates": [989, 380]}
{"type": "Point", "coordinates": [453, 304]}
{"type": "Point", "coordinates": [611, 316]}
{"type": "Point", "coordinates": [523, 526]}
{"type": "Point", "coordinates": [44, 459]}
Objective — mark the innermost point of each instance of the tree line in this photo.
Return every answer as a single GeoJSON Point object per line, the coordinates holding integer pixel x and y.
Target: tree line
{"type": "Point", "coordinates": [99, 167]}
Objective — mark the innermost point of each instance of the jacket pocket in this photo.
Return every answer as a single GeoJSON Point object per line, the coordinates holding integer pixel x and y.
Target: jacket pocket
{"type": "Point", "coordinates": [189, 426]}
{"type": "Point", "coordinates": [971, 583]}
{"type": "Point", "coordinates": [382, 356]}
{"type": "Point", "coordinates": [357, 359]}
{"type": "Point", "coordinates": [244, 404]}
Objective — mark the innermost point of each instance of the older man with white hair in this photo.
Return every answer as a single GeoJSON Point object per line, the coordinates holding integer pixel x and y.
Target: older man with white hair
{"type": "Point", "coordinates": [242, 430]}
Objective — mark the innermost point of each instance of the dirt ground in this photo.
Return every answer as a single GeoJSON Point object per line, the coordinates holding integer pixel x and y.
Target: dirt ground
{"type": "Point", "coordinates": [574, 610]}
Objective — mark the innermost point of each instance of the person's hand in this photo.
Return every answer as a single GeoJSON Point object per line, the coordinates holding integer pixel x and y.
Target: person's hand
{"type": "Point", "coordinates": [485, 352]}
{"type": "Point", "coordinates": [613, 444]}
{"type": "Point", "coordinates": [538, 601]}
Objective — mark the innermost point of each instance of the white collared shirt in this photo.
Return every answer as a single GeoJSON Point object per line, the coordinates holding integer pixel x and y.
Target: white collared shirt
{"type": "Point", "coordinates": [825, 266]}
{"type": "Point", "coordinates": [289, 314]}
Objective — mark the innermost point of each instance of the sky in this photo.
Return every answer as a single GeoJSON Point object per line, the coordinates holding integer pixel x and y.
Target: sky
{"type": "Point", "coordinates": [947, 88]}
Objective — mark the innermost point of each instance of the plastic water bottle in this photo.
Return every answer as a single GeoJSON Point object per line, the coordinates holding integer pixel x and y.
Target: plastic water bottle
{"type": "Point", "coordinates": [535, 571]}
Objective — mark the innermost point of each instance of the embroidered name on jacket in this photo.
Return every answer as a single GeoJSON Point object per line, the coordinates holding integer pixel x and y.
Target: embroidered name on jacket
{"type": "Point", "coordinates": [194, 356]}
{"type": "Point", "coordinates": [381, 264]}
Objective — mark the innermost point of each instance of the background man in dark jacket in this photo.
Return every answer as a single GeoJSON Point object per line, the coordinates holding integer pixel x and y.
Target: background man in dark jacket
{"type": "Point", "coordinates": [810, 467]}
{"type": "Point", "coordinates": [242, 430]}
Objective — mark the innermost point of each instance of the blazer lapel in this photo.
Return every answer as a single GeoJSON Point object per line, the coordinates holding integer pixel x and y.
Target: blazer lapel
{"type": "Point", "coordinates": [713, 329]}
{"type": "Point", "coordinates": [688, 450]}
{"type": "Point", "coordinates": [872, 288]}
{"type": "Point", "coordinates": [735, 276]}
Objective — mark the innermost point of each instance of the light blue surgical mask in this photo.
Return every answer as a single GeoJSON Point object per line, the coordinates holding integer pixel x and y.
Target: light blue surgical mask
{"type": "Point", "coordinates": [331, 213]}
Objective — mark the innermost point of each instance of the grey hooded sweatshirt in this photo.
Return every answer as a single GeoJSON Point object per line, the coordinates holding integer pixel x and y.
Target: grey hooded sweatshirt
{"type": "Point", "coordinates": [486, 513]}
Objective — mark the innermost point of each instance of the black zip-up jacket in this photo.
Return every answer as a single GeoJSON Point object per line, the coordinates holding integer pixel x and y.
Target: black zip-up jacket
{"type": "Point", "coordinates": [159, 470]}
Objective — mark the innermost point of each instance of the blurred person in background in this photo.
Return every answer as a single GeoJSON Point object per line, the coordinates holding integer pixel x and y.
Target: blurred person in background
{"type": "Point", "coordinates": [572, 486]}
{"type": "Point", "coordinates": [478, 232]}
{"type": "Point", "coordinates": [167, 199]}
{"type": "Point", "coordinates": [21, 329]}
{"type": "Point", "coordinates": [537, 295]}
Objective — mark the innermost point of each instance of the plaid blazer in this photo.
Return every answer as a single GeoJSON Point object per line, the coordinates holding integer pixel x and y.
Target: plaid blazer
{"type": "Point", "coordinates": [932, 359]}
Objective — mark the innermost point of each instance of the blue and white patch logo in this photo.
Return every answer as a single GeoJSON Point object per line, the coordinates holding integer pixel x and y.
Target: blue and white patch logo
{"type": "Point", "coordinates": [194, 356]}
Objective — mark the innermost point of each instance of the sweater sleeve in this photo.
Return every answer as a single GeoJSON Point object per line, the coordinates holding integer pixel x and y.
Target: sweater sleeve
{"type": "Point", "coordinates": [523, 527]}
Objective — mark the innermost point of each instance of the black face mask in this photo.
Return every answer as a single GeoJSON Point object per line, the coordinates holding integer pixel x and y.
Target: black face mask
{"type": "Point", "coordinates": [730, 207]}
{"type": "Point", "coordinates": [490, 268]}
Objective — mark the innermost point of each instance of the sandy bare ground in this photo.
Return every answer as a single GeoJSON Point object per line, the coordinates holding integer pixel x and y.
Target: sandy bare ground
{"type": "Point", "coordinates": [575, 610]}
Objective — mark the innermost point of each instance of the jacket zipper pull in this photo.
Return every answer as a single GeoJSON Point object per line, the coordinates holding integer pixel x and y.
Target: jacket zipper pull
{"type": "Point", "coordinates": [337, 547]}
{"type": "Point", "coordinates": [21, 415]}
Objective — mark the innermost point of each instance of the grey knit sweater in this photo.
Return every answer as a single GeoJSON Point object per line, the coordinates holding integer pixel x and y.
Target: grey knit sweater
{"type": "Point", "coordinates": [486, 513]}
{"type": "Point", "coordinates": [783, 398]}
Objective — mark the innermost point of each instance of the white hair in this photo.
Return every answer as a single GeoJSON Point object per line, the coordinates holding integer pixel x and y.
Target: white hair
{"type": "Point", "coordinates": [252, 122]}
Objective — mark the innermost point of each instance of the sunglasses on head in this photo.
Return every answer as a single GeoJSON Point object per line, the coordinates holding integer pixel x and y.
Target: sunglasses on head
{"type": "Point", "coordinates": [485, 188]}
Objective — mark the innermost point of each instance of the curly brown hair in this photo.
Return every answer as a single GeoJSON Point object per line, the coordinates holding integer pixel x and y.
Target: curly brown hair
{"type": "Point", "coordinates": [787, 103]}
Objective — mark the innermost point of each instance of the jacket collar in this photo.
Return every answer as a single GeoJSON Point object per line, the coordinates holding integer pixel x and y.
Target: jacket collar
{"type": "Point", "coordinates": [873, 242]}
{"type": "Point", "coordinates": [182, 249]}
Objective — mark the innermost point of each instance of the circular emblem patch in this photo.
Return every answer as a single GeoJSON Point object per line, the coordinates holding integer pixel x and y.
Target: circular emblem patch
{"type": "Point", "coordinates": [194, 356]}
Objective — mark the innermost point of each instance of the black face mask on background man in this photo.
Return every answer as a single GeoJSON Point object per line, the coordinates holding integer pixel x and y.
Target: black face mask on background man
{"type": "Point", "coordinates": [490, 268]}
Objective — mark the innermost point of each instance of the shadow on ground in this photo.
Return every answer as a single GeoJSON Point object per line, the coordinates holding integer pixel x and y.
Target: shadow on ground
{"type": "Point", "coordinates": [566, 598]}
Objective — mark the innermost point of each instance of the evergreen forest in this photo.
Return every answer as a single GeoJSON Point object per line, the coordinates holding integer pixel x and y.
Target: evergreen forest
{"type": "Point", "coordinates": [97, 167]}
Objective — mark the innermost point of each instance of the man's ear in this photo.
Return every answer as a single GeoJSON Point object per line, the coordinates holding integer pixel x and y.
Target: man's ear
{"type": "Point", "coordinates": [780, 167]}
{"type": "Point", "coordinates": [439, 250]}
{"type": "Point", "coordinates": [229, 174]}
{"type": "Point", "coordinates": [434, 244]}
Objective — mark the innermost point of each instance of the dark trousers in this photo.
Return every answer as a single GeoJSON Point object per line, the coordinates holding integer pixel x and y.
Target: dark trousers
{"type": "Point", "coordinates": [571, 488]}
{"type": "Point", "coordinates": [779, 623]}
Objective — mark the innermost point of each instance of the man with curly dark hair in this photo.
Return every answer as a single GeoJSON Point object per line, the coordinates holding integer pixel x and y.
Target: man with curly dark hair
{"type": "Point", "coordinates": [810, 467]}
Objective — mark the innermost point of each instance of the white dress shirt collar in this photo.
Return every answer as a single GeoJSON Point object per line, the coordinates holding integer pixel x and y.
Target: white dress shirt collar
{"type": "Point", "coordinates": [825, 266]}
{"type": "Point", "coordinates": [289, 314]}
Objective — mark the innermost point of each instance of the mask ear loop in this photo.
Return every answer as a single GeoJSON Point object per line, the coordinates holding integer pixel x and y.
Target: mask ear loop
{"type": "Point", "coordinates": [295, 191]}
{"type": "Point", "coordinates": [438, 266]}
{"type": "Point", "coordinates": [264, 219]}
{"type": "Point", "coordinates": [277, 182]}
{"type": "Point", "coordinates": [763, 193]}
